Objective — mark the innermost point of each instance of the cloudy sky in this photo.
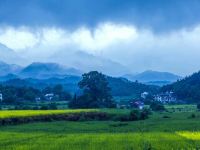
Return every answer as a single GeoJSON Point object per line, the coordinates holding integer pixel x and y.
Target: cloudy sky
{"type": "Point", "coordinates": [162, 35]}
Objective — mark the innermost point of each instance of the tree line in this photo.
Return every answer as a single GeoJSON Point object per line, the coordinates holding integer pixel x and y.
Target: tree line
{"type": "Point", "coordinates": [12, 94]}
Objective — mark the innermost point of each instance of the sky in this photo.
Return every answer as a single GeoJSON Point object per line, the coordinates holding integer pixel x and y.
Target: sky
{"type": "Point", "coordinates": [162, 35]}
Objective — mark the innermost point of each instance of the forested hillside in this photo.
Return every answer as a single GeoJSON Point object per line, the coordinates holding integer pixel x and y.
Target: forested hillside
{"type": "Point", "coordinates": [187, 89]}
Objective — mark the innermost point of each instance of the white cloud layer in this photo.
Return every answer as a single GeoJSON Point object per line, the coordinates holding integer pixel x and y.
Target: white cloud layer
{"type": "Point", "coordinates": [177, 51]}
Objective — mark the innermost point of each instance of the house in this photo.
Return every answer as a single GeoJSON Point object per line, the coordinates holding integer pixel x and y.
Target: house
{"type": "Point", "coordinates": [144, 95]}
{"type": "Point", "coordinates": [49, 96]}
{"type": "Point", "coordinates": [137, 104]}
{"type": "Point", "coordinates": [1, 97]}
{"type": "Point", "coordinates": [167, 97]}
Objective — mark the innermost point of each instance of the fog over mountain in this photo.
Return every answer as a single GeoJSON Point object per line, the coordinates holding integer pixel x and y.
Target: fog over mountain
{"type": "Point", "coordinates": [113, 37]}
{"type": "Point", "coordinates": [10, 56]}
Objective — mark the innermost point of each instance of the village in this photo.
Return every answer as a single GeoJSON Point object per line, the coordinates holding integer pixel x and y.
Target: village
{"type": "Point", "coordinates": [163, 98]}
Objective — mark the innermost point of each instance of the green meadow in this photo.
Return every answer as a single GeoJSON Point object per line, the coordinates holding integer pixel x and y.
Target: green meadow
{"type": "Point", "coordinates": [176, 129]}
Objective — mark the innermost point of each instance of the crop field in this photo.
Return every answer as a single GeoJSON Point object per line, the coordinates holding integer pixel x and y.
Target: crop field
{"type": "Point", "coordinates": [29, 113]}
{"type": "Point", "coordinates": [162, 131]}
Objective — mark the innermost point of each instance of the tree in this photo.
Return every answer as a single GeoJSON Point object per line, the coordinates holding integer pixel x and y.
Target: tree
{"type": "Point", "coordinates": [96, 92]}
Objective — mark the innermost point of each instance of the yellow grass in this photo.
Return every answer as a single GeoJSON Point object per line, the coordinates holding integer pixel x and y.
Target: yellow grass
{"type": "Point", "coordinates": [189, 135]}
{"type": "Point", "coordinates": [26, 113]}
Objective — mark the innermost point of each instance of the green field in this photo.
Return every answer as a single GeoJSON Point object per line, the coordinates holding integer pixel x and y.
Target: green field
{"type": "Point", "coordinates": [162, 131]}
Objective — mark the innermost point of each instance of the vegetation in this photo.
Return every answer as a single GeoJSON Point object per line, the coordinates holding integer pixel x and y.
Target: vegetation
{"type": "Point", "coordinates": [155, 106]}
{"type": "Point", "coordinates": [31, 113]}
{"type": "Point", "coordinates": [198, 107]}
{"type": "Point", "coordinates": [96, 93]}
{"type": "Point", "coordinates": [123, 87]}
{"type": "Point", "coordinates": [187, 89]}
{"type": "Point", "coordinates": [177, 131]}
{"type": "Point", "coordinates": [14, 95]}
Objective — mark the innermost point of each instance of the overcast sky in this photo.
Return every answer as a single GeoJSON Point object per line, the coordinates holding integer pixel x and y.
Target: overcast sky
{"type": "Point", "coordinates": [162, 35]}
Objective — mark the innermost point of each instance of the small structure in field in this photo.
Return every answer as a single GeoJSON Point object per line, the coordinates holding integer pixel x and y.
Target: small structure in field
{"type": "Point", "coordinates": [49, 96]}
{"type": "Point", "coordinates": [1, 97]}
{"type": "Point", "coordinates": [167, 97]}
{"type": "Point", "coordinates": [137, 104]}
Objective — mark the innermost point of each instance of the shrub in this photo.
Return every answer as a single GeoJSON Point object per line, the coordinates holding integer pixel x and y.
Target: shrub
{"type": "Point", "coordinates": [192, 115]}
{"type": "Point", "coordinates": [145, 114]}
{"type": "Point", "coordinates": [135, 115]}
{"type": "Point", "coordinates": [198, 107]}
{"type": "Point", "coordinates": [44, 107]}
{"type": "Point", "coordinates": [157, 106]}
{"type": "Point", "coordinates": [53, 106]}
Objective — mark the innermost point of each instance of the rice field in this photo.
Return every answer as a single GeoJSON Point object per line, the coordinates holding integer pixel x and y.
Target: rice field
{"type": "Point", "coordinates": [29, 113]}
{"type": "Point", "coordinates": [162, 131]}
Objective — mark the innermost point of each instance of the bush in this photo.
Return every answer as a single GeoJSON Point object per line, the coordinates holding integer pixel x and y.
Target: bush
{"type": "Point", "coordinates": [44, 107]}
{"type": "Point", "coordinates": [135, 115]}
{"type": "Point", "coordinates": [157, 106]}
{"type": "Point", "coordinates": [192, 115]}
{"type": "Point", "coordinates": [53, 106]}
{"type": "Point", "coordinates": [35, 108]}
{"type": "Point", "coordinates": [198, 107]}
{"type": "Point", "coordinates": [145, 114]}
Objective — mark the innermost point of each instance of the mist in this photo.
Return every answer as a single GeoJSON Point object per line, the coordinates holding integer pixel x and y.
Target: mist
{"type": "Point", "coordinates": [125, 47]}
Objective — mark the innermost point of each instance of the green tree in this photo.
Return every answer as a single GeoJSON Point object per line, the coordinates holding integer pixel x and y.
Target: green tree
{"type": "Point", "coordinates": [96, 92]}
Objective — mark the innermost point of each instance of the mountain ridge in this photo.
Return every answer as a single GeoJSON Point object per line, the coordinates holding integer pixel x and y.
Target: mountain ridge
{"type": "Point", "coordinates": [154, 77]}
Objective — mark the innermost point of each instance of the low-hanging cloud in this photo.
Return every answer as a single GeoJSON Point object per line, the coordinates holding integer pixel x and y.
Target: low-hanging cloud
{"type": "Point", "coordinates": [137, 49]}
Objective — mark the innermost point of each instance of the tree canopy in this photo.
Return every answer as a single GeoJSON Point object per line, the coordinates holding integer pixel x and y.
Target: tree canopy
{"type": "Point", "coordinates": [96, 92]}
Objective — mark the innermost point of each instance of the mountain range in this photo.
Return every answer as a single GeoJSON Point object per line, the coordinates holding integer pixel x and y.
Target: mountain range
{"type": "Point", "coordinates": [70, 58]}
{"type": "Point", "coordinates": [38, 70]}
{"type": "Point", "coordinates": [41, 75]}
{"type": "Point", "coordinates": [154, 77]}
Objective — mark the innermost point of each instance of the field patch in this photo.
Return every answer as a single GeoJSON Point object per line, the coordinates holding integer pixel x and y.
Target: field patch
{"type": "Point", "coordinates": [189, 135]}
{"type": "Point", "coordinates": [30, 113]}
{"type": "Point", "coordinates": [27, 116]}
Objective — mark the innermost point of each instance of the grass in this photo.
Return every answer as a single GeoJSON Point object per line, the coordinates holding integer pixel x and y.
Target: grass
{"type": "Point", "coordinates": [177, 131]}
{"type": "Point", "coordinates": [29, 113]}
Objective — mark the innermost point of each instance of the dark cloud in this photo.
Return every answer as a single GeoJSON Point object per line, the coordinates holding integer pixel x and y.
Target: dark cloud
{"type": "Point", "coordinates": [159, 15]}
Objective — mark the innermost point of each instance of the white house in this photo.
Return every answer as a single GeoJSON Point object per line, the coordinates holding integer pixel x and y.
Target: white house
{"type": "Point", "coordinates": [144, 95]}
{"type": "Point", "coordinates": [1, 97]}
{"type": "Point", "coordinates": [136, 104]}
{"type": "Point", "coordinates": [166, 97]}
{"type": "Point", "coordinates": [49, 96]}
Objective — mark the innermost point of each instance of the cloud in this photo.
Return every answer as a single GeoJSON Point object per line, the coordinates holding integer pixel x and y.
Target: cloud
{"type": "Point", "coordinates": [160, 16]}
{"type": "Point", "coordinates": [137, 49]}
{"type": "Point", "coordinates": [103, 36]}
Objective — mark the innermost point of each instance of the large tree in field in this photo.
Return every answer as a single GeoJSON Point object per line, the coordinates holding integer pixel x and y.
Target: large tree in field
{"type": "Point", "coordinates": [96, 92]}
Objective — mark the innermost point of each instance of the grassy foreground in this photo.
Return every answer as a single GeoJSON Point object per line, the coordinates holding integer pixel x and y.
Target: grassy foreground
{"type": "Point", "coordinates": [162, 131]}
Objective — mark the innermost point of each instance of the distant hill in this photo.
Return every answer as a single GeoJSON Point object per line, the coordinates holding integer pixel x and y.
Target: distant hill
{"type": "Point", "coordinates": [119, 86]}
{"type": "Point", "coordinates": [7, 77]}
{"type": "Point", "coordinates": [6, 69]}
{"type": "Point", "coordinates": [124, 87]}
{"type": "Point", "coordinates": [154, 77]}
{"type": "Point", "coordinates": [47, 70]}
{"type": "Point", "coordinates": [187, 89]}
{"type": "Point", "coordinates": [88, 62]}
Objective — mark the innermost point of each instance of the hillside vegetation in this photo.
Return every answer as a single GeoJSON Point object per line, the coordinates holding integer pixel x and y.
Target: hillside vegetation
{"type": "Point", "coordinates": [187, 89]}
